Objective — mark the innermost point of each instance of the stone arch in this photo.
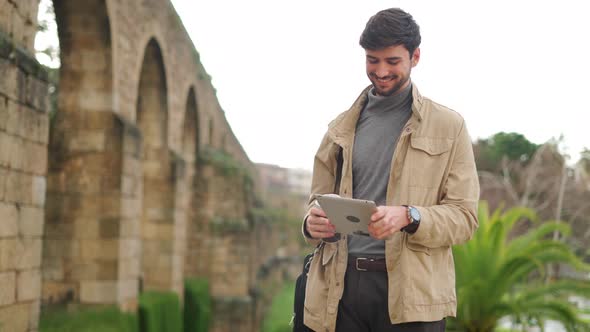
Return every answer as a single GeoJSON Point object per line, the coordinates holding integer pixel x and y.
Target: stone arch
{"type": "Point", "coordinates": [190, 139]}
{"type": "Point", "coordinates": [158, 198]}
{"type": "Point", "coordinates": [82, 211]}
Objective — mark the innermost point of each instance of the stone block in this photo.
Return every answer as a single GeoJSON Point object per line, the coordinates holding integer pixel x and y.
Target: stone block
{"type": "Point", "coordinates": [7, 291]}
{"type": "Point", "coordinates": [130, 248]}
{"type": "Point", "coordinates": [36, 158]}
{"type": "Point", "coordinates": [95, 270]}
{"type": "Point", "coordinates": [128, 288]}
{"type": "Point", "coordinates": [38, 189]}
{"type": "Point", "coordinates": [3, 176]}
{"type": "Point", "coordinates": [130, 268]}
{"type": "Point", "coordinates": [131, 166]}
{"type": "Point", "coordinates": [52, 268]}
{"type": "Point", "coordinates": [34, 315]}
{"type": "Point", "coordinates": [6, 11]}
{"type": "Point", "coordinates": [109, 228]}
{"type": "Point", "coordinates": [8, 83]}
{"type": "Point", "coordinates": [86, 228]}
{"type": "Point", "coordinates": [130, 227]}
{"type": "Point", "coordinates": [28, 285]}
{"type": "Point", "coordinates": [100, 249]}
{"type": "Point", "coordinates": [31, 220]}
{"type": "Point", "coordinates": [8, 220]}
{"type": "Point", "coordinates": [18, 187]}
{"type": "Point", "coordinates": [131, 208]}
{"type": "Point", "coordinates": [36, 94]}
{"type": "Point", "coordinates": [129, 185]}
{"type": "Point", "coordinates": [43, 129]}
{"type": "Point", "coordinates": [87, 141]}
{"type": "Point", "coordinates": [7, 147]}
{"type": "Point", "coordinates": [15, 318]}
{"type": "Point", "coordinates": [29, 257]}
{"type": "Point", "coordinates": [98, 292]}
{"type": "Point", "coordinates": [9, 249]}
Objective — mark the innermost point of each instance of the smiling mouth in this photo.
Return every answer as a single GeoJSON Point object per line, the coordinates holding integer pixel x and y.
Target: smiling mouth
{"type": "Point", "coordinates": [384, 79]}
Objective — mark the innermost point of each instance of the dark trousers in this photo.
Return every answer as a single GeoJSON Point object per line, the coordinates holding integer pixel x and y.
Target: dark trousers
{"type": "Point", "coordinates": [363, 307]}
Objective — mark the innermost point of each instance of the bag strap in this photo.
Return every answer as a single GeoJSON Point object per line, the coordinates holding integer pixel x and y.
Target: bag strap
{"type": "Point", "coordinates": [339, 161]}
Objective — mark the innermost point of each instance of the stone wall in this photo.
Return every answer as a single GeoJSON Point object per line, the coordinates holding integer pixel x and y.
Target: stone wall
{"type": "Point", "coordinates": [120, 189]}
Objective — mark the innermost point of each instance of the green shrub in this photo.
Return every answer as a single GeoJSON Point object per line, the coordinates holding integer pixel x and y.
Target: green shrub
{"type": "Point", "coordinates": [109, 319]}
{"type": "Point", "coordinates": [159, 311]}
{"type": "Point", "coordinates": [197, 305]}
{"type": "Point", "coordinates": [281, 310]}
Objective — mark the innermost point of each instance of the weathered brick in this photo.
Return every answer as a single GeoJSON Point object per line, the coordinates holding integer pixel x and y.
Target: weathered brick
{"type": "Point", "coordinates": [7, 289]}
{"type": "Point", "coordinates": [31, 220]}
{"type": "Point", "coordinates": [28, 285]}
{"type": "Point", "coordinates": [8, 220]}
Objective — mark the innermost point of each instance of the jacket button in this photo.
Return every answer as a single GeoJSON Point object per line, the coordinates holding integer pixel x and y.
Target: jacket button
{"type": "Point", "coordinates": [338, 283]}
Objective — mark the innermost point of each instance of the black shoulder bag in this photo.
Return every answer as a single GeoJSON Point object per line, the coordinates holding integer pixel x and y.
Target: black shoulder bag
{"type": "Point", "coordinates": [301, 282]}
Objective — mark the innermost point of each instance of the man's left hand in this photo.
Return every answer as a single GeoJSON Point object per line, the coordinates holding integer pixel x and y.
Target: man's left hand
{"type": "Point", "coordinates": [387, 220]}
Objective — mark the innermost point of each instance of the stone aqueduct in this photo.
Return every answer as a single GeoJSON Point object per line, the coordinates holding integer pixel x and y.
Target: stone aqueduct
{"type": "Point", "coordinates": [135, 183]}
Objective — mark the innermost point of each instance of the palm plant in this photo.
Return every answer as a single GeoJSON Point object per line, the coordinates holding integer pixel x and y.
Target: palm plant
{"type": "Point", "coordinates": [498, 277]}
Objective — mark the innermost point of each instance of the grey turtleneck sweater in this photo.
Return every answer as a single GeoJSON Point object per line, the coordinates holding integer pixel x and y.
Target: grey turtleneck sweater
{"type": "Point", "coordinates": [377, 131]}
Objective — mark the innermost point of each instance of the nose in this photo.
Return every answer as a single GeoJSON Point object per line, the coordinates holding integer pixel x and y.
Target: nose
{"type": "Point", "coordinates": [381, 71]}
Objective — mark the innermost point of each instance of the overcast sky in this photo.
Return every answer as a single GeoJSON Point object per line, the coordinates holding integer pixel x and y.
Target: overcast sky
{"type": "Point", "coordinates": [284, 69]}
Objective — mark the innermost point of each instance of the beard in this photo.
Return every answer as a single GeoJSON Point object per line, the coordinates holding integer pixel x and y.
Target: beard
{"type": "Point", "coordinates": [392, 90]}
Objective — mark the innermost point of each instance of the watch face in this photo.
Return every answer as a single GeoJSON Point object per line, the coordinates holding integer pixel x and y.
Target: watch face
{"type": "Point", "coordinates": [415, 214]}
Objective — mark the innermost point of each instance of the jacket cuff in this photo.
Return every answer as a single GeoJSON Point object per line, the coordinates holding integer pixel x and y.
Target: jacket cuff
{"type": "Point", "coordinates": [422, 234]}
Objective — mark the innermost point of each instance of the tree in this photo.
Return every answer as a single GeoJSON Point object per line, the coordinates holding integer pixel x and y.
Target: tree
{"type": "Point", "coordinates": [491, 152]}
{"type": "Point", "coordinates": [498, 278]}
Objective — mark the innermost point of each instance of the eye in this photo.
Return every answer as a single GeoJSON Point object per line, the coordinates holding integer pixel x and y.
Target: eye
{"type": "Point", "coordinates": [372, 60]}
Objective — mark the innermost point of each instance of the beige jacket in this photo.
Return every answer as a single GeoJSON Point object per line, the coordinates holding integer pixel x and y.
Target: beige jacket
{"type": "Point", "coordinates": [432, 169]}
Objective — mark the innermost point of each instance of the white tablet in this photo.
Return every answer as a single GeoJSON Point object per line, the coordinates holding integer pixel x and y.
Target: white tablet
{"type": "Point", "coordinates": [347, 214]}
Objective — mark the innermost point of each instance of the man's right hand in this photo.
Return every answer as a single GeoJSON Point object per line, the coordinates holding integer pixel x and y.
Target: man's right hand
{"type": "Point", "coordinates": [318, 225]}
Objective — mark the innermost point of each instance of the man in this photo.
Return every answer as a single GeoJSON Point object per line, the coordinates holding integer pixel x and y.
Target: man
{"type": "Point", "coordinates": [414, 158]}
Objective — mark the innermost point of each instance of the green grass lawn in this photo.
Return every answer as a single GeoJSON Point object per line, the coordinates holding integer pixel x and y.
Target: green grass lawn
{"type": "Point", "coordinates": [97, 320]}
{"type": "Point", "coordinates": [281, 310]}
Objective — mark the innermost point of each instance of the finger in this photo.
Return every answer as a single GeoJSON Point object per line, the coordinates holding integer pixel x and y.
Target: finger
{"type": "Point", "coordinates": [322, 234]}
{"type": "Point", "coordinates": [379, 214]}
{"type": "Point", "coordinates": [315, 211]}
{"type": "Point", "coordinates": [386, 232]}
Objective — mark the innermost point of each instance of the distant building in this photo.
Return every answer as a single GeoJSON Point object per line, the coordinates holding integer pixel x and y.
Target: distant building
{"type": "Point", "coordinates": [285, 187]}
{"type": "Point", "coordinates": [299, 181]}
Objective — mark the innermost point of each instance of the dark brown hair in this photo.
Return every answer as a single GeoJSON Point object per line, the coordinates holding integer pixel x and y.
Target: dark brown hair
{"type": "Point", "coordinates": [391, 27]}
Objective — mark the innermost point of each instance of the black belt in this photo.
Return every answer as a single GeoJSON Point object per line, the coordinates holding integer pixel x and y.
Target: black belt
{"type": "Point", "coordinates": [367, 264]}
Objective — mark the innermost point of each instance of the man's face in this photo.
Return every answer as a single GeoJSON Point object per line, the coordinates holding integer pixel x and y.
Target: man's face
{"type": "Point", "coordinates": [389, 68]}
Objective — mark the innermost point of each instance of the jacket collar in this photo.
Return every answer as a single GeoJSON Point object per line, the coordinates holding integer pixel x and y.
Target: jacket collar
{"type": "Point", "coordinates": [342, 129]}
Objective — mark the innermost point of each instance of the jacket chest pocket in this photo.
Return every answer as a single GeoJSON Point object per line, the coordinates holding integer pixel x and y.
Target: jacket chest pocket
{"type": "Point", "coordinates": [428, 158]}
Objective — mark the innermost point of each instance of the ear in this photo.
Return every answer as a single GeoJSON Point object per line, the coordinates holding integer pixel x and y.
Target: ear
{"type": "Point", "coordinates": [416, 57]}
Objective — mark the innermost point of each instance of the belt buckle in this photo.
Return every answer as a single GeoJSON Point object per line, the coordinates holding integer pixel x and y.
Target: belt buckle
{"type": "Point", "coordinates": [357, 263]}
